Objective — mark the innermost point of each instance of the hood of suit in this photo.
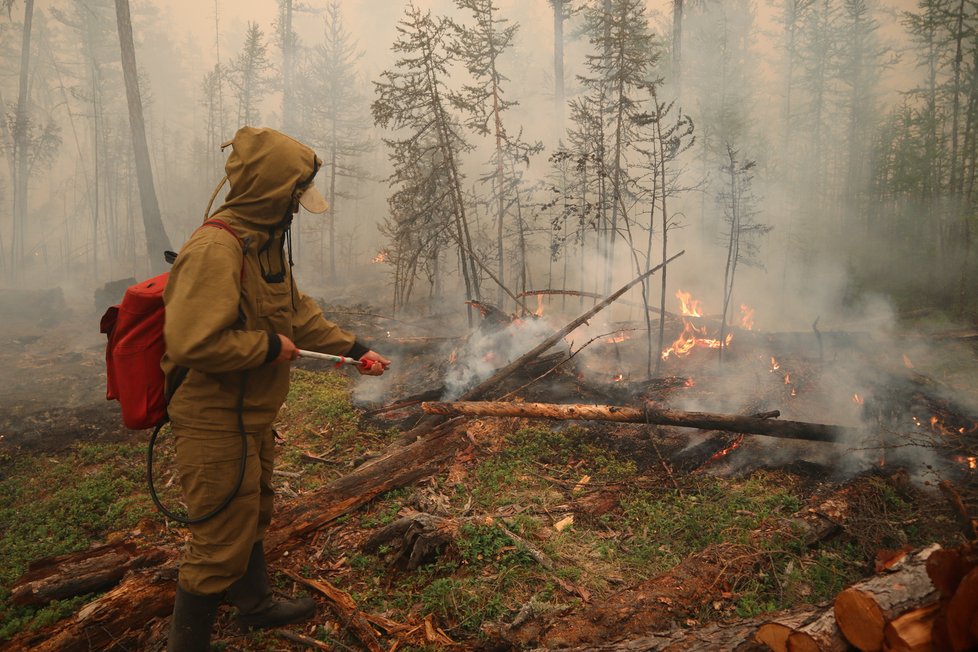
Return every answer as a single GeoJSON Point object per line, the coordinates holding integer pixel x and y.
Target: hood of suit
{"type": "Point", "coordinates": [265, 170]}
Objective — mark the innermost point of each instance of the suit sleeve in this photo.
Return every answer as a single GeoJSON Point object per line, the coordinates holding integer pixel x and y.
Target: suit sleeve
{"type": "Point", "coordinates": [202, 300]}
{"type": "Point", "coordinates": [312, 331]}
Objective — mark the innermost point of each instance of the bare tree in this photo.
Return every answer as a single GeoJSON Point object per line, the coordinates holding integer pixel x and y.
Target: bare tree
{"type": "Point", "coordinates": [156, 239]}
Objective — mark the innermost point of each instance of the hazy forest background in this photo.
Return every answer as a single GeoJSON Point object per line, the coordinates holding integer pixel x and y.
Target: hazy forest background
{"type": "Point", "coordinates": [823, 153]}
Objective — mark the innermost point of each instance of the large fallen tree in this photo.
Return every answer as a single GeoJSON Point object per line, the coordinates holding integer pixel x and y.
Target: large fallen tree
{"type": "Point", "coordinates": [621, 414]}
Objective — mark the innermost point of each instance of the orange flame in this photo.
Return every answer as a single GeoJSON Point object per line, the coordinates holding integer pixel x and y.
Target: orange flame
{"type": "Point", "coordinates": [381, 257]}
{"type": "Point", "coordinates": [787, 379]}
{"type": "Point", "coordinates": [620, 337]}
{"type": "Point", "coordinates": [775, 365]}
{"type": "Point", "coordinates": [539, 311]}
{"type": "Point", "coordinates": [970, 462]}
{"type": "Point", "coordinates": [746, 317]}
{"type": "Point", "coordinates": [692, 336]}
{"type": "Point", "coordinates": [690, 306]}
{"type": "Point", "coordinates": [857, 399]}
{"type": "Point", "coordinates": [453, 356]}
{"type": "Point", "coordinates": [618, 378]}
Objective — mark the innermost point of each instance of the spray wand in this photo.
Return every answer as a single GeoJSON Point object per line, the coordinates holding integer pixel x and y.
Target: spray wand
{"type": "Point", "coordinates": [340, 360]}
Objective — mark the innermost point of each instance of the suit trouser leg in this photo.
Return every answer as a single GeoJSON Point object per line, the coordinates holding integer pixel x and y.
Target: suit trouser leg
{"type": "Point", "coordinates": [209, 462]}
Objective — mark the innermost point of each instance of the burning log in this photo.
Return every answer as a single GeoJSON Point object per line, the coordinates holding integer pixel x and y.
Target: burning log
{"type": "Point", "coordinates": [621, 414]}
{"type": "Point", "coordinates": [863, 609]}
{"type": "Point", "coordinates": [503, 373]}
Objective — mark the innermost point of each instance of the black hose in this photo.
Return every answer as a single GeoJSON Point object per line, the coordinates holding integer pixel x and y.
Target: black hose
{"type": "Point", "coordinates": [237, 485]}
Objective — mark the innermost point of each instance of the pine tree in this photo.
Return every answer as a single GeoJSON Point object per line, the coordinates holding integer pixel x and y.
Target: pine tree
{"type": "Point", "coordinates": [480, 47]}
{"type": "Point", "coordinates": [250, 75]}
{"type": "Point", "coordinates": [618, 73]}
{"type": "Point", "coordinates": [334, 121]}
{"type": "Point", "coordinates": [412, 101]}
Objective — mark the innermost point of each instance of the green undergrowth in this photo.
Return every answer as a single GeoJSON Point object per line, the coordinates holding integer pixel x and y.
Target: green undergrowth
{"type": "Point", "coordinates": [653, 526]}
{"type": "Point", "coordinates": [53, 504]}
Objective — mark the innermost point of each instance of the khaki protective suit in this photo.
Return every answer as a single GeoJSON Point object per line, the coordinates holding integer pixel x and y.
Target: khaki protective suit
{"type": "Point", "coordinates": [225, 307]}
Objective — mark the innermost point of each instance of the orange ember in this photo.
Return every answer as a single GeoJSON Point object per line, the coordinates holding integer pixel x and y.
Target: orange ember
{"type": "Point", "coordinates": [618, 378]}
{"type": "Point", "coordinates": [539, 311]}
{"type": "Point", "coordinates": [381, 257]}
{"type": "Point", "coordinates": [726, 451]}
{"type": "Point", "coordinates": [787, 379]}
{"type": "Point", "coordinates": [775, 365]}
{"type": "Point", "coordinates": [746, 317]}
{"type": "Point", "coordinates": [906, 361]}
{"type": "Point", "coordinates": [857, 399]}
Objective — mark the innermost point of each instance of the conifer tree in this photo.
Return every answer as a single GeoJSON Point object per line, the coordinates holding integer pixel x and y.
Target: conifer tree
{"type": "Point", "coordinates": [250, 75]}
{"type": "Point", "coordinates": [335, 121]}
{"type": "Point", "coordinates": [618, 72]}
{"type": "Point", "coordinates": [481, 46]}
{"type": "Point", "coordinates": [413, 102]}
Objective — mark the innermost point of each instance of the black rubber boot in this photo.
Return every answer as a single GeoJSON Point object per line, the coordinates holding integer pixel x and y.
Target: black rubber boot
{"type": "Point", "coordinates": [257, 607]}
{"type": "Point", "coordinates": [193, 618]}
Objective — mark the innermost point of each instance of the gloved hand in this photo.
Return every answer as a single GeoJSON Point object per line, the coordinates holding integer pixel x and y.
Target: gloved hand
{"type": "Point", "coordinates": [373, 364]}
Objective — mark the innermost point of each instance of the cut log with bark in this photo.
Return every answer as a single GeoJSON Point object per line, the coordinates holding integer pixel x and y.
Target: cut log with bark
{"type": "Point", "coordinates": [703, 420]}
{"type": "Point", "coordinates": [820, 635]}
{"type": "Point", "coordinates": [65, 576]}
{"type": "Point", "coordinates": [863, 609]}
{"type": "Point", "coordinates": [775, 632]}
{"type": "Point", "coordinates": [912, 631]}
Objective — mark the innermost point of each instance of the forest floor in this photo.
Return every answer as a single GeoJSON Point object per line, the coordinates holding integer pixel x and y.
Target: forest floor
{"type": "Point", "coordinates": [646, 529]}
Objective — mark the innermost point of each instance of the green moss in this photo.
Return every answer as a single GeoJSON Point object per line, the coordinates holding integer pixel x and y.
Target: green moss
{"type": "Point", "coordinates": [57, 505]}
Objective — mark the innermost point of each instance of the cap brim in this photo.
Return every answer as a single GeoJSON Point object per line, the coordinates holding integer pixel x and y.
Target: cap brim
{"type": "Point", "coordinates": [313, 201]}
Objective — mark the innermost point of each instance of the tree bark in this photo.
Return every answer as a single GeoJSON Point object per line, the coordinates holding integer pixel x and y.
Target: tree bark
{"type": "Point", "coordinates": [156, 239]}
{"type": "Point", "coordinates": [703, 420]}
{"type": "Point", "coordinates": [863, 609]}
{"type": "Point", "coordinates": [65, 576]}
{"type": "Point", "coordinates": [117, 620]}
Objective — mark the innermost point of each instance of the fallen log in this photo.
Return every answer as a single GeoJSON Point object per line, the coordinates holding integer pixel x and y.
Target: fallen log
{"type": "Point", "coordinates": [863, 609]}
{"type": "Point", "coordinates": [703, 420]}
{"type": "Point", "coordinates": [505, 372]}
{"type": "Point", "coordinates": [91, 571]}
{"type": "Point", "coordinates": [117, 620]}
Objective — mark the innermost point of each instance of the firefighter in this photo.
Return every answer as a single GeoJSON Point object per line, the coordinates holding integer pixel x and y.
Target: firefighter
{"type": "Point", "coordinates": [235, 319]}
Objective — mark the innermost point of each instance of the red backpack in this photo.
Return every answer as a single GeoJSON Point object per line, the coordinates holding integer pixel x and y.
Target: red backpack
{"type": "Point", "coordinates": [135, 349]}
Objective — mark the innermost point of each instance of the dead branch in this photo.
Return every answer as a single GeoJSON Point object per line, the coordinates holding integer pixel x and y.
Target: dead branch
{"type": "Point", "coordinates": [345, 609]}
{"type": "Point", "coordinates": [703, 420]}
